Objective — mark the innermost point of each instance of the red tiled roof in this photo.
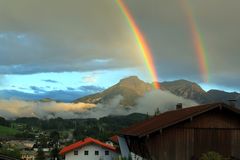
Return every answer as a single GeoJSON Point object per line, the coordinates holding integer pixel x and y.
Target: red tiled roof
{"type": "Point", "coordinates": [170, 118]}
{"type": "Point", "coordinates": [114, 139]}
{"type": "Point", "coordinates": [85, 142]}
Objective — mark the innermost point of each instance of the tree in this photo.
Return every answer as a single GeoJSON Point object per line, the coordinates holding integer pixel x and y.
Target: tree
{"type": "Point", "coordinates": [14, 152]}
{"type": "Point", "coordinates": [54, 153]}
{"type": "Point", "coordinates": [3, 122]}
{"type": "Point", "coordinates": [54, 137]}
{"type": "Point", "coordinates": [40, 154]}
{"type": "Point", "coordinates": [157, 112]}
{"type": "Point", "coordinates": [79, 133]}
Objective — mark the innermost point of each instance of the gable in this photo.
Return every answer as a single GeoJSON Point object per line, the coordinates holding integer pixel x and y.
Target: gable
{"type": "Point", "coordinates": [217, 118]}
{"type": "Point", "coordinates": [85, 142]}
{"type": "Point", "coordinates": [174, 117]}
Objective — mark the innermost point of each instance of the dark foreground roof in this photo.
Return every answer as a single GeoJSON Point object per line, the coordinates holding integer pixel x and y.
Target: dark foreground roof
{"type": "Point", "coordinates": [171, 118]}
{"type": "Point", "coordinates": [4, 157]}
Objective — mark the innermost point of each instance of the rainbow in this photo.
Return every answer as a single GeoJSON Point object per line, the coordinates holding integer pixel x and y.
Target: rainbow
{"type": "Point", "coordinates": [142, 43]}
{"type": "Point", "coordinates": [197, 41]}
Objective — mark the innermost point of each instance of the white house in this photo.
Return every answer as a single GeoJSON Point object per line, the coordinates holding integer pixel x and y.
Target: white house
{"type": "Point", "coordinates": [90, 149]}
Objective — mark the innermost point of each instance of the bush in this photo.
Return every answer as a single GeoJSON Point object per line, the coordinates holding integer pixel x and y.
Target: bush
{"type": "Point", "coordinates": [212, 156]}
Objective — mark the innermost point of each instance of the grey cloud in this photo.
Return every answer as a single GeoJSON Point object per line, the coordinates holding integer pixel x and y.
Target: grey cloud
{"type": "Point", "coordinates": [37, 89]}
{"type": "Point", "coordinates": [17, 108]}
{"type": "Point", "coordinates": [227, 79]}
{"type": "Point", "coordinates": [70, 89]}
{"type": "Point", "coordinates": [70, 36]}
{"type": "Point", "coordinates": [147, 104]}
{"type": "Point", "coordinates": [67, 66]}
{"type": "Point", "coordinates": [163, 100]}
{"type": "Point", "coordinates": [39, 93]}
{"type": "Point", "coordinates": [168, 32]}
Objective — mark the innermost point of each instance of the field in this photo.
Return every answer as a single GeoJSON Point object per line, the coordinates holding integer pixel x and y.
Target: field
{"type": "Point", "coordinates": [6, 131]}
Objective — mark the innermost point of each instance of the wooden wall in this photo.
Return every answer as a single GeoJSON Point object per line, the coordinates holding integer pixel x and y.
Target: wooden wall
{"type": "Point", "coordinates": [218, 130]}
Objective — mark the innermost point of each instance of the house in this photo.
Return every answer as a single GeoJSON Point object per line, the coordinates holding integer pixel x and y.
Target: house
{"type": "Point", "coordinates": [28, 155]}
{"type": "Point", "coordinates": [185, 134]}
{"type": "Point", "coordinates": [90, 149]}
{"type": "Point", "coordinates": [116, 140]}
{"type": "Point", "coordinates": [28, 144]}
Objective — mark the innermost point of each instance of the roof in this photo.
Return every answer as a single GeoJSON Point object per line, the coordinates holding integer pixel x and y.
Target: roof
{"type": "Point", "coordinates": [114, 139]}
{"type": "Point", "coordinates": [171, 118]}
{"type": "Point", "coordinates": [85, 142]}
{"type": "Point", "coordinates": [30, 152]}
{"type": "Point", "coordinates": [4, 157]}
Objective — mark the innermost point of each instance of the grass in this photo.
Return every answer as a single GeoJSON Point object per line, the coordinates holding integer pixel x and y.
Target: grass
{"type": "Point", "coordinates": [6, 131]}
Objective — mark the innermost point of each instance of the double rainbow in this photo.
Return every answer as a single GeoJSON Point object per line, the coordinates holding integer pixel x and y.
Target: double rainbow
{"type": "Point", "coordinates": [142, 43]}
{"type": "Point", "coordinates": [197, 41]}
{"type": "Point", "coordinates": [146, 51]}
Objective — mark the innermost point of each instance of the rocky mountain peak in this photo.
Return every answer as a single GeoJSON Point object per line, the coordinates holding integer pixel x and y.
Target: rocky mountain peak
{"type": "Point", "coordinates": [130, 80]}
{"type": "Point", "coordinates": [135, 84]}
{"type": "Point", "coordinates": [182, 84]}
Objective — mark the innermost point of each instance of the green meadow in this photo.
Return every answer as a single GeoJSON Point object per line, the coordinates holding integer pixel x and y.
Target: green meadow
{"type": "Point", "coordinates": [6, 131]}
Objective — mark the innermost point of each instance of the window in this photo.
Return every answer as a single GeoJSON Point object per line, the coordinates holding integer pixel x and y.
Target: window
{"type": "Point", "coordinates": [96, 153]}
{"type": "Point", "coordinates": [85, 152]}
{"type": "Point", "coordinates": [106, 152]}
{"type": "Point", "coordinates": [75, 152]}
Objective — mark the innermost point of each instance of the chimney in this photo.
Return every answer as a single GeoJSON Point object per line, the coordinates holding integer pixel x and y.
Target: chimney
{"type": "Point", "coordinates": [179, 106]}
{"type": "Point", "coordinates": [232, 102]}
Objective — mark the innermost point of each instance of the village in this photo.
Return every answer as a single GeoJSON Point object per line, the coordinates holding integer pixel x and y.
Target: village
{"type": "Point", "coordinates": [184, 133]}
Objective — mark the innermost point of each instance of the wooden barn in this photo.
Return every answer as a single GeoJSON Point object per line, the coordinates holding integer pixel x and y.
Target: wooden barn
{"type": "Point", "coordinates": [184, 134]}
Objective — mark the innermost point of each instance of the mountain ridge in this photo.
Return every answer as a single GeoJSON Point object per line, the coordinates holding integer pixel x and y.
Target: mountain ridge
{"type": "Point", "coordinates": [131, 88]}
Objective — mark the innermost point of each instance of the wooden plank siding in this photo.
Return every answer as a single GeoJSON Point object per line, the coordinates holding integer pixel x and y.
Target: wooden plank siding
{"type": "Point", "coordinates": [217, 130]}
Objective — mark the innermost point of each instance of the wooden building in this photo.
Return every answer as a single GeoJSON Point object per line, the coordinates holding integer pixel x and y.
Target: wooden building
{"type": "Point", "coordinates": [184, 134]}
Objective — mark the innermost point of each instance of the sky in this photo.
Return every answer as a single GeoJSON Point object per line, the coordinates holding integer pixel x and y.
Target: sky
{"type": "Point", "coordinates": [79, 47]}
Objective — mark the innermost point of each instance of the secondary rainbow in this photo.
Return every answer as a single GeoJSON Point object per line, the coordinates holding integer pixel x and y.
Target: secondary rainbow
{"type": "Point", "coordinates": [197, 41]}
{"type": "Point", "coordinates": [142, 43]}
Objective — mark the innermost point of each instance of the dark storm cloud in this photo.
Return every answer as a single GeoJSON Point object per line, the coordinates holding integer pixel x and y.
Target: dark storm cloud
{"type": "Point", "coordinates": [85, 35]}
{"type": "Point", "coordinates": [68, 66]}
{"type": "Point", "coordinates": [40, 36]}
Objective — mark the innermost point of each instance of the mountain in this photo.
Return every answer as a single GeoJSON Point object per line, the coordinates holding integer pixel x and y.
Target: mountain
{"type": "Point", "coordinates": [186, 89]}
{"type": "Point", "coordinates": [215, 95]}
{"type": "Point", "coordinates": [129, 88]}
{"type": "Point", "coordinates": [132, 88]}
{"type": "Point", "coordinates": [47, 100]}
